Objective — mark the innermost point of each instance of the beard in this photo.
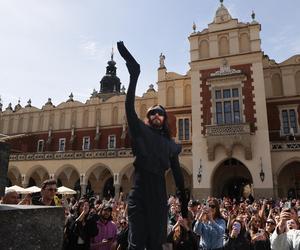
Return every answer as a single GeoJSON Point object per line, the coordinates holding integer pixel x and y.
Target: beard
{"type": "Point", "coordinates": [156, 123]}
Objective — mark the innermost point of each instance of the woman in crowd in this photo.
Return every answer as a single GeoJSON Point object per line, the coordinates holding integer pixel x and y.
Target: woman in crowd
{"type": "Point", "coordinates": [237, 237]}
{"type": "Point", "coordinates": [210, 226]}
{"type": "Point", "coordinates": [181, 237]}
{"type": "Point", "coordinates": [80, 227]}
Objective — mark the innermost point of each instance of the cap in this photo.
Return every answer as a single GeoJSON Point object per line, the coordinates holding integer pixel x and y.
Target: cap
{"type": "Point", "coordinates": [106, 207]}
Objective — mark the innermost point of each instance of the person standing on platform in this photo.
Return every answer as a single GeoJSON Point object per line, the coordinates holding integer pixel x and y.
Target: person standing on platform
{"type": "Point", "coordinates": [155, 152]}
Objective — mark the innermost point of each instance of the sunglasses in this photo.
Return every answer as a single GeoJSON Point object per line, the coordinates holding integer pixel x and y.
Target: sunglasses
{"type": "Point", "coordinates": [269, 222]}
{"type": "Point", "coordinates": [212, 206]}
{"type": "Point", "coordinates": [51, 189]}
{"type": "Point", "coordinates": [157, 111]}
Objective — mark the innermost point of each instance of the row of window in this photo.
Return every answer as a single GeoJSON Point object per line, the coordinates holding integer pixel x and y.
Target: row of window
{"type": "Point", "coordinates": [227, 103]}
{"type": "Point", "coordinates": [86, 143]}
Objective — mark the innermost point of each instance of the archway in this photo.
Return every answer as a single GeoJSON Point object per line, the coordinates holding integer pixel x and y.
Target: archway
{"type": "Point", "coordinates": [14, 177]}
{"type": "Point", "coordinates": [170, 183]}
{"type": "Point", "coordinates": [67, 176]}
{"type": "Point", "coordinates": [37, 175]}
{"type": "Point", "coordinates": [289, 180]}
{"type": "Point", "coordinates": [126, 181]}
{"type": "Point", "coordinates": [231, 179]}
{"type": "Point", "coordinates": [97, 177]}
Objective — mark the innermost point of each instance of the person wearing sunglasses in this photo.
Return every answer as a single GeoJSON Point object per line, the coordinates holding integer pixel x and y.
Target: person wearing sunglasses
{"type": "Point", "coordinates": [154, 152]}
{"type": "Point", "coordinates": [48, 191]}
{"type": "Point", "coordinates": [210, 226]}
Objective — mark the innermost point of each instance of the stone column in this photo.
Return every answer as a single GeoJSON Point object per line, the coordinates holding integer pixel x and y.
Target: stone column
{"type": "Point", "coordinates": [25, 181]}
{"type": "Point", "coordinates": [4, 159]}
{"type": "Point", "coordinates": [83, 184]}
{"type": "Point", "coordinates": [117, 190]}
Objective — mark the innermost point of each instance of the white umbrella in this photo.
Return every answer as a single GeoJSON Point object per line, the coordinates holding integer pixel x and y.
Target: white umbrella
{"type": "Point", "coordinates": [18, 189]}
{"type": "Point", "coordinates": [65, 190]}
{"type": "Point", "coordinates": [33, 189]}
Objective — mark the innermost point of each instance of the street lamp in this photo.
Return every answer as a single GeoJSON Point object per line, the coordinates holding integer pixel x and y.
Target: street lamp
{"type": "Point", "coordinates": [199, 175]}
{"type": "Point", "coordinates": [262, 173]}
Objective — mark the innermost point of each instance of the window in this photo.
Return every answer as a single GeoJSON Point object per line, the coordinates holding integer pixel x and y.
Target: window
{"type": "Point", "coordinates": [183, 129]}
{"type": "Point", "coordinates": [86, 143]}
{"type": "Point", "coordinates": [227, 106]}
{"type": "Point", "coordinates": [111, 142]}
{"type": "Point", "coordinates": [62, 144]}
{"type": "Point", "coordinates": [289, 121]}
{"type": "Point", "coordinates": [40, 146]}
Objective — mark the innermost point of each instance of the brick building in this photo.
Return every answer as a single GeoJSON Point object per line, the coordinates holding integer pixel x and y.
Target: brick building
{"type": "Point", "coordinates": [236, 113]}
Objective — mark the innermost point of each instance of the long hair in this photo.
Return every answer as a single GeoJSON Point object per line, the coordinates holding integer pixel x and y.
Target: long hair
{"type": "Point", "coordinates": [165, 127]}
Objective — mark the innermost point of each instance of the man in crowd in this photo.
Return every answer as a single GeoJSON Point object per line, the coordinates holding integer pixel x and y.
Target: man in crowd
{"type": "Point", "coordinates": [107, 230]}
{"type": "Point", "coordinates": [48, 191]}
{"type": "Point", "coordinates": [284, 237]}
{"type": "Point", "coordinates": [10, 197]}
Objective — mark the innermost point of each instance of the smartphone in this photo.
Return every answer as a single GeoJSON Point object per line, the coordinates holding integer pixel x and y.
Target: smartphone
{"type": "Point", "coordinates": [287, 204]}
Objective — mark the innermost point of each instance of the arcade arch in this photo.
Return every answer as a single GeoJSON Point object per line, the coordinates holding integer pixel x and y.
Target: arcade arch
{"type": "Point", "coordinates": [170, 183]}
{"type": "Point", "coordinates": [67, 176]}
{"type": "Point", "coordinates": [289, 180]}
{"type": "Point", "coordinates": [99, 181]}
{"type": "Point", "coordinates": [36, 175]}
{"type": "Point", "coordinates": [14, 177]}
{"type": "Point", "coordinates": [231, 178]}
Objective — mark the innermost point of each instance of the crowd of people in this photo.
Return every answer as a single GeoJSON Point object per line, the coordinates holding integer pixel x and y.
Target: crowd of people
{"type": "Point", "coordinates": [102, 224]}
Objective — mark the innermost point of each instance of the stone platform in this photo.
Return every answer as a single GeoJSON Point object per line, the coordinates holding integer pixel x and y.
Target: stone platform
{"type": "Point", "coordinates": [31, 227]}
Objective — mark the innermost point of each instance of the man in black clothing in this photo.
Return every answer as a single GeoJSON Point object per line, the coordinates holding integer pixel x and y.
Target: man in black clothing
{"type": "Point", "coordinates": [155, 152]}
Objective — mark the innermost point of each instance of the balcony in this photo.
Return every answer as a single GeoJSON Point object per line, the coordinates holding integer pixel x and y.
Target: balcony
{"type": "Point", "coordinates": [228, 135]}
{"type": "Point", "coordinates": [226, 129]}
{"type": "Point", "coordinates": [285, 146]}
{"type": "Point", "coordinates": [73, 155]}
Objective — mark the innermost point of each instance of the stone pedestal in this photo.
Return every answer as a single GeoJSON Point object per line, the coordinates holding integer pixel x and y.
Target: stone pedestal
{"type": "Point", "coordinates": [31, 227]}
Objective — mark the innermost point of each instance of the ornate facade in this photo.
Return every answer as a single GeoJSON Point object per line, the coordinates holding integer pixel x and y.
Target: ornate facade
{"type": "Point", "coordinates": [236, 113]}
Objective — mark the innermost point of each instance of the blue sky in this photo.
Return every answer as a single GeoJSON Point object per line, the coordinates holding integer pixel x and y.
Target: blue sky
{"type": "Point", "coordinates": [51, 48]}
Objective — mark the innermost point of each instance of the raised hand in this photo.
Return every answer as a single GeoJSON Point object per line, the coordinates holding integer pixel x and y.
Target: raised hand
{"type": "Point", "coordinates": [132, 65]}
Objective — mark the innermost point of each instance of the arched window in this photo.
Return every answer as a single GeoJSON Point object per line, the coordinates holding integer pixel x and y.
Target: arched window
{"type": "Point", "coordinates": [143, 111]}
{"type": "Point", "coordinates": [204, 49]}
{"type": "Point", "coordinates": [62, 119]}
{"type": "Point", "coordinates": [297, 82]}
{"type": "Point", "coordinates": [97, 117]}
{"type": "Point", "coordinates": [74, 118]}
{"type": "Point", "coordinates": [20, 125]}
{"type": "Point", "coordinates": [85, 122]}
{"type": "Point", "coordinates": [41, 122]}
{"type": "Point", "coordinates": [187, 94]}
{"type": "Point", "coordinates": [223, 46]}
{"type": "Point", "coordinates": [10, 125]}
{"type": "Point", "coordinates": [170, 96]}
{"type": "Point", "coordinates": [30, 124]}
{"type": "Point", "coordinates": [115, 116]}
{"type": "Point", "coordinates": [277, 85]}
{"type": "Point", "coordinates": [244, 43]}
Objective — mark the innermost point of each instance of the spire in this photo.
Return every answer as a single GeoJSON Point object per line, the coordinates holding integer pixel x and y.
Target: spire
{"type": "Point", "coordinates": [28, 103]}
{"type": "Point", "coordinates": [112, 53]}
{"type": "Point", "coordinates": [194, 27]}
{"type": "Point", "coordinates": [18, 106]}
{"type": "Point", "coordinates": [110, 83]}
{"type": "Point", "coordinates": [70, 98]}
{"type": "Point", "coordinates": [222, 14]}
{"type": "Point", "coordinates": [253, 17]}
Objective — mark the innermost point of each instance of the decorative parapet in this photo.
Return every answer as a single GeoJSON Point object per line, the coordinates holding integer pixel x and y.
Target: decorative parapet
{"type": "Point", "coordinates": [285, 146]}
{"type": "Point", "coordinates": [232, 129]}
{"type": "Point", "coordinates": [95, 154]}
{"type": "Point", "coordinates": [228, 136]}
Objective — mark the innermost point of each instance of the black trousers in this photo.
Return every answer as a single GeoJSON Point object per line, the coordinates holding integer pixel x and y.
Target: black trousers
{"type": "Point", "coordinates": [148, 215]}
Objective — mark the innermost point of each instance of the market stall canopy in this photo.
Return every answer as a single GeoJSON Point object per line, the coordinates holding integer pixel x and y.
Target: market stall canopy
{"type": "Point", "coordinates": [65, 190]}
